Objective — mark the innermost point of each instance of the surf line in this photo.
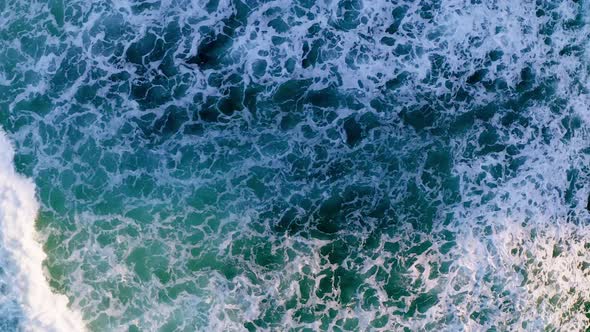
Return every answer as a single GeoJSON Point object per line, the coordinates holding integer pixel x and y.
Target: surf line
{"type": "Point", "coordinates": [22, 256]}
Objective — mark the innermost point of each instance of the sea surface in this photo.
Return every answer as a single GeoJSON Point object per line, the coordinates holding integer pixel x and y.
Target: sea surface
{"type": "Point", "coordinates": [294, 165]}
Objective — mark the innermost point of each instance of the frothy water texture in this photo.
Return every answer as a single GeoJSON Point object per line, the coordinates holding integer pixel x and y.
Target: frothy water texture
{"type": "Point", "coordinates": [301, 165]}
{"type": "Point", "coordinates": [25, 292]}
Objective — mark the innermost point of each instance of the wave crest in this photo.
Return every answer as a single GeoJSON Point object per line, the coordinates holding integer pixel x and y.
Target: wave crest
{"type": "Point", "coordinates": [21, 255]}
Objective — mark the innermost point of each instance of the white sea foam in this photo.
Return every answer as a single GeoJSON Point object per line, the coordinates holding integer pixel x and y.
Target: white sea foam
{"type": "Point", "coordinates": [21, 256]}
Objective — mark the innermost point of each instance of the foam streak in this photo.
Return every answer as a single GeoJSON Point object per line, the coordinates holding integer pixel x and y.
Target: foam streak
{"type": "Point", "coordinates": [21, 256]}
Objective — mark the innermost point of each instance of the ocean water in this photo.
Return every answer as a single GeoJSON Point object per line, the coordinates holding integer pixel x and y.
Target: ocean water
{"type": "Point", "coordinates": [294, 165]}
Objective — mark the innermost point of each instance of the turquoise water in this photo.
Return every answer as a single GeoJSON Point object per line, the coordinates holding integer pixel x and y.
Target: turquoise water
{"type": "Point", "coordinates": [305, 165]}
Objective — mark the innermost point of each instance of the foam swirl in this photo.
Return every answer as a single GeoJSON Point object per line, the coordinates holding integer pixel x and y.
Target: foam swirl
{"type": "Point", "coordinates": [21, 256]}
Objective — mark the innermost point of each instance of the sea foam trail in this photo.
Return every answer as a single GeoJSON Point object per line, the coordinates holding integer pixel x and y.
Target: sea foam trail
{"type": "Point", "coordinates": [21, 256]}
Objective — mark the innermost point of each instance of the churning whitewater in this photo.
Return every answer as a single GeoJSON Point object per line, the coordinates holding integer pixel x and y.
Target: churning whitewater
{"type": "Point", "coordinates": [27, 301]}
{"type": "Point", "coordinates": [298, 165]}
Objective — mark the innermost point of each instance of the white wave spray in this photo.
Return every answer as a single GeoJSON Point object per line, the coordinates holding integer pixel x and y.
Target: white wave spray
{"type": "Point", "coordinates": [21, 255]}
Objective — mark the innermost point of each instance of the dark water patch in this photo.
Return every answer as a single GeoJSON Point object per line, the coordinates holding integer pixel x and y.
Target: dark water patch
{"type": "Point", "coordinates": [214, 47]}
